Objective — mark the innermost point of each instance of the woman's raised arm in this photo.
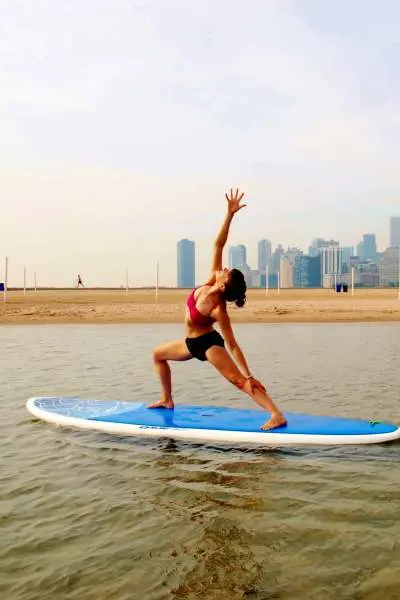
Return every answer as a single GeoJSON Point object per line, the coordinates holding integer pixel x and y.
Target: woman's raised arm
{"type": "Point", "coordinates": [234, 205]}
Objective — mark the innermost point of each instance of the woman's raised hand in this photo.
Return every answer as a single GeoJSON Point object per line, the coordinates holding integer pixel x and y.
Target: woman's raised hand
{"type": "Point", "coordinates": [234, 200]}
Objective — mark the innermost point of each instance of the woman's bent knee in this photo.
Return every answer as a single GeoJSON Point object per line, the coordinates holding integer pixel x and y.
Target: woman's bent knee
{"type": "Point", "coordinates": [157, 355]}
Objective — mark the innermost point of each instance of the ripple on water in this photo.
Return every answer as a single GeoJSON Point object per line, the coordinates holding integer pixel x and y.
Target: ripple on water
{"type": "Point", "coordinates": [89, 516]}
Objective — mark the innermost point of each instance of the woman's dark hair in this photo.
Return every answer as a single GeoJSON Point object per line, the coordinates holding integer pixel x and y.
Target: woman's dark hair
{"type": "Point", "coordinates": [235, 288]}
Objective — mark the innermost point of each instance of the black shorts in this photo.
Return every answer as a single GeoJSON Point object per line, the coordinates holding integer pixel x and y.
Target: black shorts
{"type": "Point", "coordinates": [198, 346]}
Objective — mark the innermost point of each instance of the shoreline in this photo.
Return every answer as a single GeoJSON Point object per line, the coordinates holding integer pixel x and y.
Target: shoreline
{"type": "Point", "coordinates": [89, 306]}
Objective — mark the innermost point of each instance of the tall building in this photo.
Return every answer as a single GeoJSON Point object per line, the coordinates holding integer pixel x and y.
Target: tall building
{"type": "Point", "coordinates": [369, 246]}
{"type": "Point", "coordinates": [389, 267]}
{"type": "Point", "coordinates": [315, 247]}
{"type": "Point", "coordinates": [286, 266]}
{"type": "Point", "coordinates": [331, 263]}
{"type": "Point", "coordinates": [366, 249]}
{"type": "Point", "coordinates": [264, 248]}
{"type": "Point", "coordinates": [360, 251]}
{"type": "Point", "coordinates": [186, 264]}
{"type": "Point", "coordinates": [253, 278]}
{"type": "Point", "coordinates": [292, 252]}
{"type": "Point", "coordinates": [276, 258]}
{"type": "Point", "coordinates": [307, 271]}
{"type": "Point", "coordinates": [394, 231]}
{"type": "Point", "coordinates": [331, 260]}
{"type": "Point", "coordinates": [237, 257]}
{"type": "Point", "coordinates": [286, 272]}
{"type": "Point", "coordinates": [347, 253]}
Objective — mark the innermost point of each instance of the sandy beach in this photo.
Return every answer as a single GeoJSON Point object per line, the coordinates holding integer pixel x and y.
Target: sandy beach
{"type": "Point", "coordinates": [140, 306]}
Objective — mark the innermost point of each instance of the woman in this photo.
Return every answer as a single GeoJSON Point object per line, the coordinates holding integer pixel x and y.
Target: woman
{"type": "Point", "coordinates": [205, 306]}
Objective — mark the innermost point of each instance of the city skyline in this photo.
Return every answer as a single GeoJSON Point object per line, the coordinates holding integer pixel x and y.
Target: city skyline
{"type": "Point", "coordinates": [323, 264]}
{"type": "Point", "coordinates": [118, 145]}
{"type": "Point", "coordinates": [365, 248]}
{"type": "Point", "coordinates": [231, 254]}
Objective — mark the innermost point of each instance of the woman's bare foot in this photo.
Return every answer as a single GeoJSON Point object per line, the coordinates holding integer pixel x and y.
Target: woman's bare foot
{"type": "Point", "coordinates": [277, 420]}
{"type": "Point", "coordinates": [162, 404]}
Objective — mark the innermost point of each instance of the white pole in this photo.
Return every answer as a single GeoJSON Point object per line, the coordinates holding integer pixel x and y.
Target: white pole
{"type": "Point", "coordinates": [266, 280]}
{"type": "Point", "coordinates": [279, 281]}
{"type": "Point", "coordinates": [35, 281]}
{"type": "Point", "coordinates": [5, 279]}
{"type": "Point", "coordinates": [126, 281]}
{"type": "Point", "coordinates": [399, 273]}
{"type": "Point", "coordinates": [24, 281]}
{"type": "Point", "coordinates": [157, 279]}
{"type": "Point", "coordinates": [352, 280]}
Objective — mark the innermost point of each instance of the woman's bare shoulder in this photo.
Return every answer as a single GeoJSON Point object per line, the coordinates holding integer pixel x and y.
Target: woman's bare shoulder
{"type": "Point", "coordinates": [202, 290]}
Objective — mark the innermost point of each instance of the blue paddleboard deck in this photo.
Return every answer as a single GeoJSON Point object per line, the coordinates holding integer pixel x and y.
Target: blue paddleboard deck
{"type": "Point", "coordinates": [207, 422]}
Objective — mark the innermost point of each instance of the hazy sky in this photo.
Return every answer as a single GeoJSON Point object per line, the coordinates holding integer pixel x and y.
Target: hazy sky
{"type": "Point", "coordinates": [122, 123]}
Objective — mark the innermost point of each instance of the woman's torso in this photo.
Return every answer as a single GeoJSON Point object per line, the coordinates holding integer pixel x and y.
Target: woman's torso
{"type": "Point", "coordinates": [199, 312]}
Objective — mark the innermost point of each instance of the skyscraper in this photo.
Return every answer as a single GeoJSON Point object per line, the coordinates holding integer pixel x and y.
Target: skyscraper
{"type": "Point", "coordinates": [331, 263]}
{"type": "Point", "coordinates": [237, 257]}
{"type": "Point", "coordinates": [369, 246]}
{"type": "Point", "coordinates": [307, 271]}
{"type": "Point", "coordinates": [394, 231]}
{"type": "Point", "coordinates": [389, 267]}
{"type": "Point", "coordinates": [331, 260]}
{"type": "Point", "coordinates": [347, 253]}
{"type": "Point", "coordinates": [316, 245]}
{"type": "Point", "coordinates": [286, 272]}
{"type": "Point", "coordinates": [366, 249]}
{"type": "Point", "coordinates": [264, 248]}
{"type": "Point", "coordinates": [186, 264]}
{"type": "Point", "coordinates": [276, 258]}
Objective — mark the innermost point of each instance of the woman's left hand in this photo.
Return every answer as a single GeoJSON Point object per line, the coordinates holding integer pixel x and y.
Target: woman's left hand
{"type": "Point", "coordinates": [234, 200]}
{"type": "Point", "coordinates": [256, 385]}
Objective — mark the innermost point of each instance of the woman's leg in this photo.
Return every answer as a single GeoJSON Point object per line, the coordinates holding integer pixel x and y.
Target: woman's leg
{"type": "Point", "coordinates": [176, 350]}
{"type": "Point", "coordinates": [221, 360]}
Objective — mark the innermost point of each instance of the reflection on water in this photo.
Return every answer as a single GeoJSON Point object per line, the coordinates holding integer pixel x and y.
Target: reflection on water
{"type": "Point", "coordinates": [87, 516]}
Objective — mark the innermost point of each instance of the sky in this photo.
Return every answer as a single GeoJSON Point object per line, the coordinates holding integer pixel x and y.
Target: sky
{"type": "Point", "coordinates": [123, 123]}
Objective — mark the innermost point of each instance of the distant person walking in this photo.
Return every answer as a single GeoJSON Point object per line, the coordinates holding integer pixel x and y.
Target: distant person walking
{"type": "Point", "coordinates": [80, 282]}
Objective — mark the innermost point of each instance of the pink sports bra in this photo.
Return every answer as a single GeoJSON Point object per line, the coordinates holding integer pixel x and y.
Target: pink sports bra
{"type": "Point", "coordinates": [196, 316]}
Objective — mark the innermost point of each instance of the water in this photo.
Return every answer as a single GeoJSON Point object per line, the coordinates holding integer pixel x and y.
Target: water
{"type": "Point", "coordinates": [86, 516]}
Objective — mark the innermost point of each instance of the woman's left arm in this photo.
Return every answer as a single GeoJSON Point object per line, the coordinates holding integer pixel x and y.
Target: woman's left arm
{"type": "Point", "coordinates": [234, 348]}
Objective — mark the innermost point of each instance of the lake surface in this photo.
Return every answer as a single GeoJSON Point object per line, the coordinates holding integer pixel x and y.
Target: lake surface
{"type": "Point", "coordinates": [87, 516]}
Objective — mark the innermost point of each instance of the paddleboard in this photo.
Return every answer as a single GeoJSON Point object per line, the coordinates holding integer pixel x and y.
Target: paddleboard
{"type": "Point", "coordinates": [207, 423]}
